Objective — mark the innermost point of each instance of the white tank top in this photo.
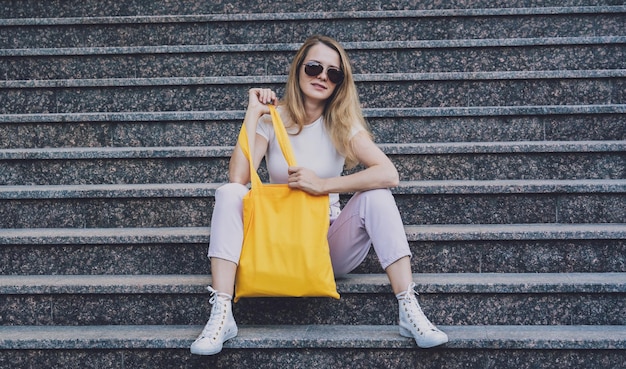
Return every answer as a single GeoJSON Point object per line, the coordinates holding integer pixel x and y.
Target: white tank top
{"type": "Point", "coordinates": [313, 150]}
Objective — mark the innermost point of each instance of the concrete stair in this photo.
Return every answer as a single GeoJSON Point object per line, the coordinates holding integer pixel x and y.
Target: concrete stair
{"type": "Point", "coordinates": [506, 122]}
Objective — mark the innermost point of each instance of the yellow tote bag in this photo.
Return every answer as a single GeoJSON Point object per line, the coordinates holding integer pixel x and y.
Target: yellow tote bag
{"type": "Point", "coordinates": [285, 247]}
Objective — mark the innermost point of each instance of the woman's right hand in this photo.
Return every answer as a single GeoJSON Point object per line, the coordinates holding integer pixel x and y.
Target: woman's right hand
{"type": "Point", "coordinates": [258, 98]}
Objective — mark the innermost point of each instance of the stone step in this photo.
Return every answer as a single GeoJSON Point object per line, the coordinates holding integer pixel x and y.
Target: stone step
{"type": "Point", "coordinates": [165, 347]}
{"type": "Point", "coordinates": [199, 164]}
{"type": "Point", "coordinates": [535, 337]}
{"type": "Point", "coordinates": [428, 73]}
{"type": "Point", "coordinates": [427, 202]}
{"type": "Point", "coordinates": [398, 125]}
{"type": "Point", "coordinates": [448, 299]}
{"type": "Point", "coordinates": [446, 232]}
{"type": "Point", "coordinates": [258, 28]}
{"type": "Point", "coordinates": [376, 91]}
{"type": "Point", "coordinates": [239, 8]}
{"type": "Point", "coordinates": [426, 161]}
{"type": "Point", "coordinates": [496, 202]}
{"type": "Point", "coordinates": [373, 57]}
{"type": "Point", "coordinates": [529, 248]}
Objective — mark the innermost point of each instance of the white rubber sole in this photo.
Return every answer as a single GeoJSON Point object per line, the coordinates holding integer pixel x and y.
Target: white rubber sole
{"type": "Point", "coordinates": [213, 350]}
{"type": "Point", "coordinates": [434, 339]}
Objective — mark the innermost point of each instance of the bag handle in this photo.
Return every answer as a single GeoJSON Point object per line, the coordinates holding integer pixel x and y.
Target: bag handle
{"type": "Point", "coordinates": [283, 142]}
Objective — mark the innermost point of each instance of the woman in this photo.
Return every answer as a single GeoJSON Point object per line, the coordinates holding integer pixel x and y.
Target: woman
{"type": "Point", "coordinates": [321, 111]}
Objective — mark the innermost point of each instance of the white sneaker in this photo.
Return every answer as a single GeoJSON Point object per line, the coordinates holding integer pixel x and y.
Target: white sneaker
{"type": "Point", "coordinates": [220, 327]}
{"type": "Point", "coordinates": [413, 322]}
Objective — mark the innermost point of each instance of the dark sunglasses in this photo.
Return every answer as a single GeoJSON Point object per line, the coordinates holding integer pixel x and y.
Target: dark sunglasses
{"type": "Point", "coordinates": [314, 69]}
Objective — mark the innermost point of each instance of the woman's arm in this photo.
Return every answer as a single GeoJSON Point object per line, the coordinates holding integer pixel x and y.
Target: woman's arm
{"type": "Point", "coordinates": [238, 168]}
{"type": "Point", "coordinates": [379, 173]}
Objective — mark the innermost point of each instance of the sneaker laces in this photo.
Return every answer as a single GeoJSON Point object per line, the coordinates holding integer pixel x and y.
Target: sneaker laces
{"type": "Point", "coordinates": [216, 321]}
{"type": "Point", "coordinates": [413, 307]}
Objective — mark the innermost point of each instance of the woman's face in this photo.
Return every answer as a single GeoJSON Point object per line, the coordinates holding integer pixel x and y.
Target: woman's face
{"type": "Point", "coordinates": [318, 88]}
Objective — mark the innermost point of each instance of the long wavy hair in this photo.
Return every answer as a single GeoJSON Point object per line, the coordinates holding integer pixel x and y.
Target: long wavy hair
{"type": "Point", "coordinates": [342, 112]}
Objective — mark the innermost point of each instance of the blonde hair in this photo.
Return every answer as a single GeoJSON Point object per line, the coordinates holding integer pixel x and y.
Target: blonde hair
{"type": "Point", "coordinates": [342, 113]}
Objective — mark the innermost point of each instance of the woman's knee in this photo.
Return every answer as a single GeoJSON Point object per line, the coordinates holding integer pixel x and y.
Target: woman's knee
{"type": "Point", "coordinates": [378, 197]}
{"type": "Point", "coordinates": [378, 203]}
{"type": "Point", "coordinates": [231, 192]}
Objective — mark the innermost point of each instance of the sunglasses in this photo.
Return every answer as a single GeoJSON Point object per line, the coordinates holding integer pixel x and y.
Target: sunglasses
{"type": "Point", "coordinates": [314, 69]}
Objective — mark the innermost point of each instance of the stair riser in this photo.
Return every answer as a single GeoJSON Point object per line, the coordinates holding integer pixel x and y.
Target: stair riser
{"type": "Point", "coordinates": [94, 8]}
{"type": "Point", "coordinates": [251, 63]}
{"type": "Point", "coordinates": [295, 31]}
{"type": "Point", "coordinates": [566, 127]}
{"type": "Point", "coordinates": [573, 256]}
{"type": "Point", "coordinates": [415, 209]}
{"type": "Point", "coordinates": [510, 166]}
{"type": "Point", "coordinates": [369, 309]}
{"type": "Point", "coordinates": [410, 168]}
{"type": "Point", "coordinates": [400, 130]}
{"type": "Point", "coordinates": [126, 134]}
{"type": "Point", "coordinates": [553, 256]}
{"type": "Point", "coordinates": [512, 208]}
{"type": "Point", "coordinates": [564, 104]}
{"type": "Point", "coordinates": [317, 358]}
{"type": "Point", "coordinates": [128, 171]}
{"type": "Point", "coordinates": [373, 95]}
{"type": "Point", "coordinates": [106, 213]}
{"type": "Point", "coordinates": [322, 358]}
{"type": "Point", "coordinates": [105, 259]}
{"type": "Point", "coordinates": [492, 93]}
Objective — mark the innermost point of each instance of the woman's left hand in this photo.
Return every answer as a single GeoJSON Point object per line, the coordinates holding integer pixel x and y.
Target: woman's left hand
{"type": "Point", "coordinates": [306, 180]}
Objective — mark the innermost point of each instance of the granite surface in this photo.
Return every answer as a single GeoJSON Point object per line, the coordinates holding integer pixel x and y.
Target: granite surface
{"type": "Point", "coordinates": [245, 7]}
{"type": "Point", "coordinates": [124, 134]}
{"type": "Point", "coordinates": [350, 284]}
{"type": "Point", "coordinates": [87, 259]}
{"type": "Point", "coordinates": [511, 257]}
{"type": "Point", "coordinates": [498, 128]}
{"type": "Point", "coordinates": [111, 213]}
{"type": "Point", "coordinates": [190, 205]}
{"type": "Point", "coordinates": [451, 299]}
{"type": "Point", "coordinates": [519, 245]}
{"type": "Point", "coordinates": [511, 208]}
{"type": "Point", "coordinates": [516, 308]}
{"type": "Point", "coordinates": [200, 61]}
{"type": "Point", "coordinates": [374, 94]}
{"type": "Point", "coordinates": [59, 172]}
{"type": "Point", "coordinates": [126, 251]}
{"type": "Point", "coordinates": [318, 359]}
{"type": "Point", "coordinates": [323, 337]}
{"type": "Point", "coordinates": [295, 27]}
{"type": "Point", "coordinates": [414, 162]}
{"type": "Point", "coordinates": [416, 233]}
{"type": "Point", "coordinates": [536, 359]}
{"type": "Point", "coordinates": [89, 130]}
{"type": "Point", "coordinates": [489, 340]}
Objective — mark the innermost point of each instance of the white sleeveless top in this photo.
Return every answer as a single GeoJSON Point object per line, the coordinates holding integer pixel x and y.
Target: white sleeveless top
{"type": "Point", "coordinates": [313, 150]}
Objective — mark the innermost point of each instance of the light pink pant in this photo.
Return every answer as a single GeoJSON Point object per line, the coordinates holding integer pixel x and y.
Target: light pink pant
{"type": "Point", "coordinates": [370, 217]}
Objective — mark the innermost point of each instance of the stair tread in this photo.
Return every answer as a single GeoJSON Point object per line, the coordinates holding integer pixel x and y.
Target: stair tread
{"type": "Point", "coordinates": [544, 231]}
{"type": "Point", "coordinates": [311, 336]}
{"type": "Point", "coordinates": [438, 232]}
{"type": "Point", "coordinates": [498, 56]}
{"type": "Point", "coordinates": [452, 111]}
{"type": "Point", "coordinates": [290, 47]}
{"type": "Point", "coordinates": [516, 186]}
{"type": "Point", "coordinates": [109, 152]}
{"type": "Point", "coordinates": [613, 282]}
{"type": "Point", "coordinates": [368, 77]}
{"type": "Point", "coordinates": [312, 15]}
